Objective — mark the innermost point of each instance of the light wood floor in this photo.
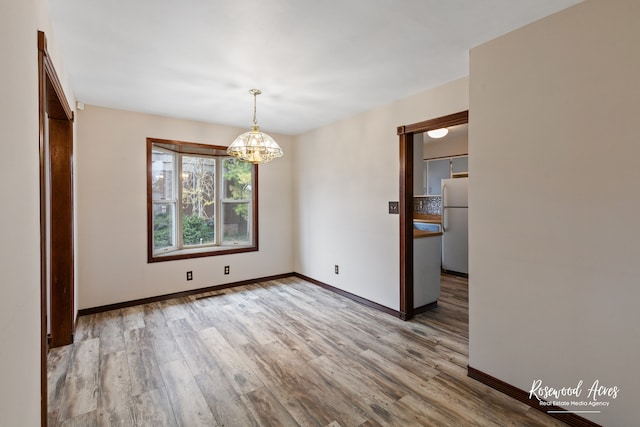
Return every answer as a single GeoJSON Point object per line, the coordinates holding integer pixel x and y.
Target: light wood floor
{"type": "Point", "coordinates": [280, 353]}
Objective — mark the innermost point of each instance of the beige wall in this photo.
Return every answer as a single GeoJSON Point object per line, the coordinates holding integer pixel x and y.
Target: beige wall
{"type": "Point", "coordinates": [345, 175]}
{"type": "Point", "coordinates": [554, 202]}
{"type": "Point", "coordinates": [112, 225]}
{"type": "Point", "coordinates": [20, 221]}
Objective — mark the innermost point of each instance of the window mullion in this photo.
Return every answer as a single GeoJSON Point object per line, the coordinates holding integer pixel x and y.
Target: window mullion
{"type": "Point", "coordinates": [178, 183]}
{"type": "Point", "coordinates": [218, 198]}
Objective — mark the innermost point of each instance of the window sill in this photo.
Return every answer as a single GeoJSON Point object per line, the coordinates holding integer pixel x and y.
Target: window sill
{"type": "Point", "coordinates": [201, 252]}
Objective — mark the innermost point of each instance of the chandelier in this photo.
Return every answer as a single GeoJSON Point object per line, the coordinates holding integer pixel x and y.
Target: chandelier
{"type": "Point", "coordinates": [255, 146]}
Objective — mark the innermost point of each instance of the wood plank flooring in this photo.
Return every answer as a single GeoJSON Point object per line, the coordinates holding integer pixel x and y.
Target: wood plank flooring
{"type": "Point", "coordinates": [278, 353]}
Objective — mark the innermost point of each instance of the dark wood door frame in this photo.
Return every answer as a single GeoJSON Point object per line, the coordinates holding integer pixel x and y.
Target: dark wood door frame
{"type": "Point", "coordinates": [55, 120]}
{"type": "Point", "coordinates": [405, 134]}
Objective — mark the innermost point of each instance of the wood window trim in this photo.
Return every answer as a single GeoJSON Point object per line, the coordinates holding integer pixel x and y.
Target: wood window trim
{"type": "Point", "coordinates": [405, 134]}
{"type": "Point", "coordinates": [195, 149]}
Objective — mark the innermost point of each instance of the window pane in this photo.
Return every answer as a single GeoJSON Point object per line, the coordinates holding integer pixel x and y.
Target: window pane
{"type": "Point", "coordinates": [162, 175]}
{"type": "Point", "coordinates": [163, 226]}
{"type": "Point", "coordinates": [237, 179]}
{"type": "Point", "coordinates": [236, 224]}
{"type": "Point", "coordinates": [198, 200]}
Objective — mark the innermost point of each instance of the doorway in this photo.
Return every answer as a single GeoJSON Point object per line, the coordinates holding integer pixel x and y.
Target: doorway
{"type": "Point", "coordinates": [55, 121]}
{"type": "Point", "coordinates": [406, 136]}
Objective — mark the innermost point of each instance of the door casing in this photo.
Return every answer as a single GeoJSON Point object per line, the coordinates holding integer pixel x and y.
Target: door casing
{"type": "Point", "coordinates": [405, 135]}
{"type": "Point", "coordinates": [55, 142]}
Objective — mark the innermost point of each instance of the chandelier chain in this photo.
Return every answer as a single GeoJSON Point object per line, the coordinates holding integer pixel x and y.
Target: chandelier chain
{"type": "Point", "coordinates": [255, 120]}
{"type": "Point", "coordinates": [255, 93]}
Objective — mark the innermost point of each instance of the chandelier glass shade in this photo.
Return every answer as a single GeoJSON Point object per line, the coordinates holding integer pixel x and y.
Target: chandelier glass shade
{"type": "Point", "coordinates": [255, 146]}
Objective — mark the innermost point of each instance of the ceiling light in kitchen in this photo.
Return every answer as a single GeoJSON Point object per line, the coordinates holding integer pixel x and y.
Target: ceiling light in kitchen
{"type": "Point", "coordinates": [438, 133]}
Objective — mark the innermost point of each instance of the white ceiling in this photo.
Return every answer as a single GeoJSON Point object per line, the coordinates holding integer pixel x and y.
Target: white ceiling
{"type": "Point", "coordinates": [316, 61]}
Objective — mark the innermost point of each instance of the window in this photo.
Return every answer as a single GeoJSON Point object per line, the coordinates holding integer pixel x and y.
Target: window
{"type": "Point", "coordinates": [200, 201]}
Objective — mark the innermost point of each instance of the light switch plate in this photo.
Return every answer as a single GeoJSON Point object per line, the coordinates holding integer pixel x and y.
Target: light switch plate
{"type": "Point", "coordinates": [394, 208]}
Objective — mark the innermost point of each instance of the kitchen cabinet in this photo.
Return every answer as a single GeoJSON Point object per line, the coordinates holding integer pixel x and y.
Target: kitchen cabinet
{"type": "Point", "coordinates": [435, 170]}
{"type": "Point", "coordinates": [426, 269]}
{"type": "Point", "coordinates": [460, 164]}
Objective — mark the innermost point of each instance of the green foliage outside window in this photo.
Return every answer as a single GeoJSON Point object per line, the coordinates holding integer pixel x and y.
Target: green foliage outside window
{"type": "Point", "coordinates": [162, 230]}
{"type": "Point", "coordinates": [197, 230]}
{"type": "Point", "coordinates": [237, 175]}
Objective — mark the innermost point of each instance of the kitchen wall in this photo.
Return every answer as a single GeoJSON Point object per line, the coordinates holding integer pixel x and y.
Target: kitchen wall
{"type": "Point", "coordinates": [112, 210]}
{"type": "Point", "coordinates": [418, 161]}
{"type": "Point", "coordinates": [427, 205]}
{"type": "Point", "coordinates": [20, 218]}
{"type": "Point", "coordinates": [345, 175]}
{"type": "Point", "coordinates": [448, 146]}
{"type": "Point", "coordinates": [554, 278]}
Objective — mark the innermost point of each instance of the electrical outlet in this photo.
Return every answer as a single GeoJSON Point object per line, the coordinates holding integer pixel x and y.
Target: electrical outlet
{"type": "Point", "coordinates": [337, 269]}
{"type": "Point", "coordinates": [189, 275]}
{"type": "Point", "coordinates": [226, 269]}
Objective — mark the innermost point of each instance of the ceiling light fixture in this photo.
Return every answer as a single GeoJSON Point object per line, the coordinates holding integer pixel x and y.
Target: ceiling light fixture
{"type": "Point", "coordinates": [255, 146]}
{"type": "Point", "coordinates": [438, 133]}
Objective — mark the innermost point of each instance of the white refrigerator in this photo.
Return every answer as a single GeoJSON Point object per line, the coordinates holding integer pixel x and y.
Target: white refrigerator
{"type": "Point", "coordinates": [455, 235]}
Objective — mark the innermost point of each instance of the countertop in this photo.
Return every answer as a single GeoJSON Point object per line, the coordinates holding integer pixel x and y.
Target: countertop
{"type": "Point", "coordinates": [424, 233]}
{"type": "Point", "coordinates": [434, 219]}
